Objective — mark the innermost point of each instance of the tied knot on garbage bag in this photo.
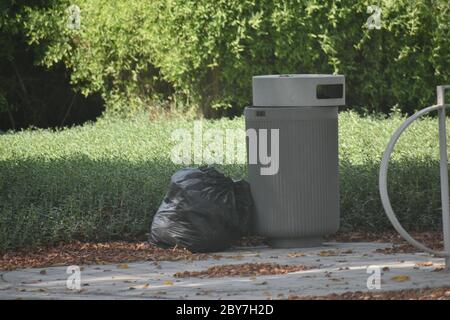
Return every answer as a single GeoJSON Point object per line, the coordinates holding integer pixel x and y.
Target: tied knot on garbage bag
{"type": "Point", "coordinates": [203, 211]}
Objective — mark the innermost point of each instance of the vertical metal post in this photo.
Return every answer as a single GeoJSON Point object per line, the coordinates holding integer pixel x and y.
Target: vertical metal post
{"type": "Point", "coordinates": [440, 107]}
{"type": "Point", "coordinates": [444, 174]}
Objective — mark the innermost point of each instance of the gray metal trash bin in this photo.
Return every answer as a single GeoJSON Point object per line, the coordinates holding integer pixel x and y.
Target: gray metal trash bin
{"type": "Point", "coordinates": [297, 203]}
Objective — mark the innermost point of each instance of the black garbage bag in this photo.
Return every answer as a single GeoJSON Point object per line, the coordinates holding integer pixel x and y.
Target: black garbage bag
{"type": "Point", "coordinates": [202, 211]}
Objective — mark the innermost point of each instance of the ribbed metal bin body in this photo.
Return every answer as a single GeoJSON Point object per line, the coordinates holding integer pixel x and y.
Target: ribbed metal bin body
{"type": "Point", "coordinates": [301, 201]}
{"type": "Point", "coordinates": [299, 204]}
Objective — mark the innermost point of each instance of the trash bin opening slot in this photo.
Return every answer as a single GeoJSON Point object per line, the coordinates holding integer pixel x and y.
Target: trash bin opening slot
{"type": "Point", "coordinates": [330, 91]}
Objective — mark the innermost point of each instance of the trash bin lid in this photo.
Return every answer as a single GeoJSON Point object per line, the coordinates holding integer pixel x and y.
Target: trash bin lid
{"type": "Point", "coordinates": [299, 90]}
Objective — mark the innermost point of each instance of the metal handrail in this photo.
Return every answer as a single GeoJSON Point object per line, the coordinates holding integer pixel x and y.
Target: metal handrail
{"type": "Point", "coordinates": [440, 107]}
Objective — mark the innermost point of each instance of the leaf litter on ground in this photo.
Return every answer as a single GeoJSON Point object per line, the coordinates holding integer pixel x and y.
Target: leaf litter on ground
{"type": "Point", "coordinates": [243, 270]}
{"type": "Point", "coordinates": [78, 253]}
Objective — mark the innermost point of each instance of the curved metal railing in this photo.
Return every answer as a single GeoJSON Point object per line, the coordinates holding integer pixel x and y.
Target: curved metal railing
{"type": "Point", "coordinates": [440, 107]}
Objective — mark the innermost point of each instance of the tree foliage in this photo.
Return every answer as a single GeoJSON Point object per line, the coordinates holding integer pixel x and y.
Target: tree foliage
{"type": "Point", "coordinates": [133, 52]}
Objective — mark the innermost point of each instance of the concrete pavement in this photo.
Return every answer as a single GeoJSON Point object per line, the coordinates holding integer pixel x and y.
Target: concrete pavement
{"type": "Point", "coordinates": [335, 268]}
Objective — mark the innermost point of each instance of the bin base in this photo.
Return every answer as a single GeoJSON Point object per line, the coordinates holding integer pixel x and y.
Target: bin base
{"type": "Point", "coordinates": [296, 242]}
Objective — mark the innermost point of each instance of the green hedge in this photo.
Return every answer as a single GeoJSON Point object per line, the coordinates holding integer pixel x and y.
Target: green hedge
{"type": "Point", "coordinates": [133, 51]}
{"type": "Point", "coordinates": [110, 54]}
{"type": "Point", "coordinates": [105, 180]}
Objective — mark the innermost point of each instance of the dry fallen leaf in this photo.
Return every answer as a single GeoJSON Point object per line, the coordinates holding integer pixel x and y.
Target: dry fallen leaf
{"type": "Point", "coordinates": [161, 292]}
{"type": "Point", "coordinates": [425, 264]}
{"type": "Point", "coordinates": [122, 266]}
{"type": "Point", "coordinates": [400, 278]}
{"type": "Point", "coordinates": [296, 254]}
{"type": "Point", "coordinates": [327, 253]}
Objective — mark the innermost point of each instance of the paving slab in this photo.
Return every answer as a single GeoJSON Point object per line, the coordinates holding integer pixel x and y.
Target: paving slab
{"type": "Point", "coordinates": [344, 268]}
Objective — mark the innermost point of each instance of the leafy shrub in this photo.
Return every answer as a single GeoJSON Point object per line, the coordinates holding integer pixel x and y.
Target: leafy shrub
{"type": "Point", "coordinates": [212, 48]}
{"type": "Point", "coordinates": [207, 51]}
{"type": "Point", "coordinates": [105, 180]}
{"type": "Point", "coordinates": [32, 95]}
{"type": "Point", "coordinates": [110, 53]}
